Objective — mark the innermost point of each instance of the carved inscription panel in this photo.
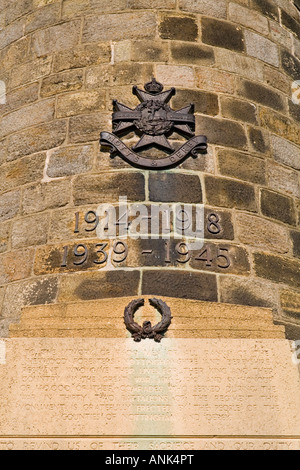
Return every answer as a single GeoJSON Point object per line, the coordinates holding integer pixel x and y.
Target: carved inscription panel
{"type": "Point", "coordinates": [182, 387]}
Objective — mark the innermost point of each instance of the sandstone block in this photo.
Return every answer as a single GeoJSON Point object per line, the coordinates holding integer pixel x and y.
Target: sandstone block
{"type": "Point", "coordinates": [15, 265]}
{"type": "Point", "coordinates": [240, 64]}
{"type": "Point", "coordinates": [68, 161]}
{"type": "Point", "coordinates": [175, 283]}
{"type": "Point", "coordinates": [222, 34]}
{"type": "Point", "coordinates": [277, 206]}
{"type": "Point", "coordinates": [96, 189]}
{"type": "Point", "coordinates": [87, 127]}
{"type": "Point", "coordinates": [40, 197]}
{"type": "Point", "coordinates": [176, 75]}
{"type": "Point", "coordinates": [239, 110]}
{"type": "Point", "coordinates": [249, 18]}
{"type": "Point", "coordinates": [277, 269]}
{"type": "Point", "coordinates": [261, 48]}
{"type": "Point", "coordinates": [224, 192]}
{"type": "Point", "coordinates": [214, 80]}
{"type": "Point", "coordinates": [261, 233]}
{"type": "Point", "coordinates": [174, 187]}
{"type": "Point", "coordinates": [9, 205]}
{"type": "Point", "coordinates": [28, 116]}
{"type": "Point", "coordinates": [242, 166]}
{"type": "Point", "coordinates": [28, 292]}
{"type": "Point", "coordinates": [283, 180]}
{"type": "Point", "coordinates": [56, 38]}
{"type": "Point", "coordinates": [187, 53]}
{"type": "Point", "coordinates": [215, 8]}
{"type": "Point", "coordinates": [30, 231]}
{"type": "Point", "coordinates": [205, 102]}
{"type": "Point", "coordinates": [62, 82]}
{"type": "Point", "coordinates": [295, 236]}
{"type": "Point", "coordinates": [90, 286]}
{"type": "Point", "coordinates": [222, 132]}
{"type": "Point", "coordinates": [36, 139]}
{"type": "Point", "coordinates": [106, 27]}
{"type": "Point", "coordinates": [43, 18]}
{"type": "Point", "coordinates": [178, 28]}
{"type": "Point", "coordinates": [31, 71]}
{"type": "Point", "coordinates": [262, 95]}
{"type": "Point", "coordinates": [4, 241]}
{"type": "Point", "coordinates": [82, 56]}
{"type": "Point", "coordinates": [23, 171]}
{"type": "Point", "coordinates": [80, 103]}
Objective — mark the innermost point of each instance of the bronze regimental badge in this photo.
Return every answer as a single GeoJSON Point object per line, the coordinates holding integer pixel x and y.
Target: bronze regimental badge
{"type": "Point", "coordinates": [155, 332]}
{"type": "Point", "coordinates": [154, 122]}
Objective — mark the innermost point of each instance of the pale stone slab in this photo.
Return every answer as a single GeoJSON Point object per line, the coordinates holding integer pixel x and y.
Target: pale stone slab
{"type": "Point", "coordinates": [112, 391]}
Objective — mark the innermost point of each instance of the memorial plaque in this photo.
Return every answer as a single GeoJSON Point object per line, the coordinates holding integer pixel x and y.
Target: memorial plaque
{"type": "Point", "coordinates": [116, 393]}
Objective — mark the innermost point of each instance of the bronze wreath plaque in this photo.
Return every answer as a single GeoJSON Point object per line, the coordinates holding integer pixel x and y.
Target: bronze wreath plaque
{"type": "Point", "coordinates": [147, 330]}
{"type": "Point", "coordinates": [153, 120]}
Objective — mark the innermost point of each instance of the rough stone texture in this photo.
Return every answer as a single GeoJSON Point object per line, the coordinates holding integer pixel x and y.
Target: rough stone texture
{"type": "Point", "coordinates": [175, 188]}
{"type": "Point", "coordinates": [278, 207]}
{"type": "Point", "coordinates": [230, 193]}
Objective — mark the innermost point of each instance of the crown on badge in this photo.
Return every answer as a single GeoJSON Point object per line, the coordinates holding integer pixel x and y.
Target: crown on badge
{"type": "Point", "coordinates": [154, 87]}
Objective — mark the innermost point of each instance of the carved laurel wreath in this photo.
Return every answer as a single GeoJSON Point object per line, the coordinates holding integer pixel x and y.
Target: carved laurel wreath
{"type": "Point", "coordinates": [147, 330]}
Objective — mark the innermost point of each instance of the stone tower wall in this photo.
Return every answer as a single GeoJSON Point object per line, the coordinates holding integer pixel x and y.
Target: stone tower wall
{"type": "Point", "coordinates": [64, 61]}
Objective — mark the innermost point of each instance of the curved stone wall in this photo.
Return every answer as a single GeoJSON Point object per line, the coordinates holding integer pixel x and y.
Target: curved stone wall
{"type": "Point", "coordinates": [62, 62]}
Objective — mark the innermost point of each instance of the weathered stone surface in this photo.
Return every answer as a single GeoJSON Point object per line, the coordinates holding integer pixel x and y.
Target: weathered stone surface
{"type": "Point", "coordinates": [31, 115]}
{"type": "Point", "coordinates": [290, 304]}
{"type": "Point", "coordinates": [242, 166]}
{"type": "Point", "coordinates": [277, 269]}
{"type": "Point", "coordinates": [12, 33]}
{"type": "Point", "coordinates": [30, 231]}
{"type": "Point", "coordinates": [175, 283]}
{"type": "Point", "coordinates": [176, 75]}
{"type": "Point", "coordinates": [277, 79]}
{"type": "Point", "coordinates": [261, 233]}
{"type": "Point", "coordinates": [216, 8]}
{"type": "Point", "coordinates": [40, 197]}
{"type": "Point", "coordinates": [266, 7]}
{"type": "Point", "coordinates": [184, 53]}
{"type": "Point", "coordinates": [85, 128]}
{"type": "Point", "coordinates": [295, 236]}
{"type": "Point", "coordinates": [285, 152]}
{"type": "Point", "coordinates": [80, 103]}
{"type": "Point", "coordinates": [36, 139]}
{"type": "Point", "coordinates": [4, 241]}
{"type": "Point", "coordinates": [15, 265]}
{"type": "Point", "coordinates": [21, 97]}
{"type": "Point", "coordinates": [249, 18]}
{"type": "Point", "coordinates": [43, 17]}
{"type": "Point", "coordinates": [31, 71]}
{"type": "Point", "coordinates": [236, 63]}
{"type": "Point", "coordinates": [237, 109]}
{"type": "Point", "coordinates": [28, 292]}
{"type": "Point", "coordinates": [278, 206]}
{"type": "Point", "coordinates": [222, 132]}
{"type": "Point", "coordinates": [68, 161]}
{"type": "Point", "coordinates": [224, 192]}
{"type": "Point", "coordinates": [108, 188]}
{"type": "Point", "coordinates": [290, 64]}
{"type": "Point", "coordinates": [174, 187]}
{"type": "Point", "coordinates": [106, 27]}
{"type": "Point", "coordinates": [279, 124]}
{"type": "Point", "coordinates": [143, 50]}
{"type": "Point", "coordinates": [205, 103]}
{"type": "Point", "coordinates": [290, 23]}
{"type": "Point", "coordinates": [222, 34]}
{"type": "Point", "coordinates": [56, 38]}
{"type": "Point", "coordinates": [83, 56]}
{"type": "Point", "coordinates": [283, 180]}
{"type": "Point", "coordinates": [258, 140]}
{"type": "Point", "coordinates": [9, 205]}
{"type": "Point", "coordinates": [248, 291]}
{"type": "Point", "coordinates": [262, 94]}
{"type": "Point", "coordinates": [85, 286]}
{"type": "Point", "coordinates": [63, 82]}
{"type": "Point", "coordinates": [261, 48]}
{"type": "Point", "coordinates": [22, 171]}
{"type": "Point", "coordinates": [178, 28]}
